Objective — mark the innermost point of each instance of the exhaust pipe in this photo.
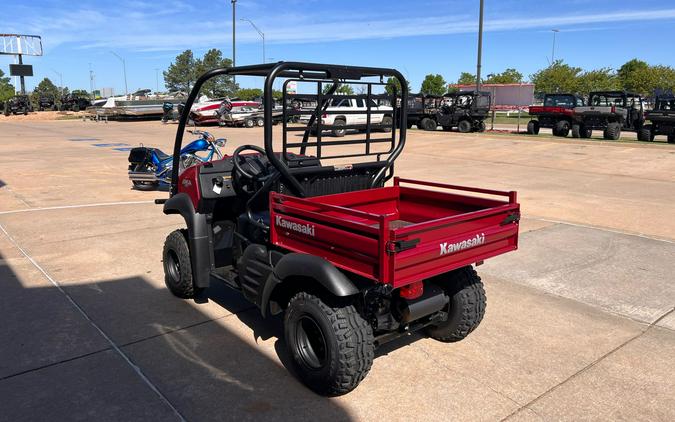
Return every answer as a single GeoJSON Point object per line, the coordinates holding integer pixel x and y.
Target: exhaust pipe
{"type": "Point", "coordinates": [142, 176]}
{"type": "Point", "coordinates": [433, 300]}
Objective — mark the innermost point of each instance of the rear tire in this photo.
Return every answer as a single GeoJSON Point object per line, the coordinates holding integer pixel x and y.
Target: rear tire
{"type": "Point", "coordinates": [671, 139]}
{"type": "Point", "coordinates": [338, 128]}
{"type": "Point", "coordinates": [645, 134]}
{"type": "Point", "coordinates": [466, 307]}
{"type": "Point", "coordinates": [613, 132]}
{"type": "Point", "coordinates": [249, 123]}
{"type": "Point", "coordinates": [428, 124]}
{"type": "Point", "coordinates": [177, 266]}
{"type": "Point", "coordinates": [562, 128]}
{"type": "Point", "coordinates": [576, 131]}
{"type": "Point", "coordinates": [387, 124]}
{"type": "Point", "coordinates": [260, 122]}
{"type": "Point", "coordinates": [533, 127]}
{"type": "Point", "coordinates": [464, 126]}
{"type": "Point", "coordinates": [332, 346]}
{"type": "Point", "coordinates": [481, 126]}
{"type": "Point", "coordinates": [586, 133]}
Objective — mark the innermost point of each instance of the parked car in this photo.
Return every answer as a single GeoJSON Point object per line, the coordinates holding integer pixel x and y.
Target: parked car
{"type": "Point", "coordinates": [611, 112]}
{"type": "Point", "coordinates": [662, 120]}
{"type": "Point", "coordinates": [18, 104]}
{"type": "Point", "coordinates": [466, 111]}
{"type": "Point", "coordinates": [557, 114]}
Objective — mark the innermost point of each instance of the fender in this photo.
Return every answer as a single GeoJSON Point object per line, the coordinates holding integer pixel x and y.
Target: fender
{"type": "Point", "coordinates": [198, 237]}
{"type": "Point", "coordinates": [310, 266]}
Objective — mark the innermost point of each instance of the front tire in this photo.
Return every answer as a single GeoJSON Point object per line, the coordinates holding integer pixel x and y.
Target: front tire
{"type": "Point", "coordinates": [533, 127]}
{"type": "Point", "coordinates": [464, 126]}
{"type": "Point", "coordinates": [177, 266]}
{"type": "Point", "coordinates": [338, 128]}
{"type": "Point", "coordinates": [562, 128]}
{"type": "Point", "coordinates": [387, 124]}
{"type": "Point", "coordinates": [613, 132]}
{"type": "Point", "coordinates": [466, 307]}
{"type": "Point", "coordinates": [645, 134]}
{"type": "Point", "coordinates": [331, 346]}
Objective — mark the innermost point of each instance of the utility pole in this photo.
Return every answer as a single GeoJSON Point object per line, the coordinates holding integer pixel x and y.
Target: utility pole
{"type": "Point", "coordinates": [234, 38]}
{"type": "Point", "coordinates": [60, 75]}
{"type": "Point", "coordinates": [262, 35]}
{"type": "Point", "coordinates": [555, 31]}
{"type": "Point", "coordinates": [156, 80]}
{"type": "Point", "coordinates": [91, 80]}
{"type": "Point", "coordinates": [480, 45]}
{"type": "Point", "coordinates": [124, 65]}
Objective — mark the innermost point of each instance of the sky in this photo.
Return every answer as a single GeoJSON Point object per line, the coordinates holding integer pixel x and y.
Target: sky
{"type": "Point", "coordinates": [416, 37]}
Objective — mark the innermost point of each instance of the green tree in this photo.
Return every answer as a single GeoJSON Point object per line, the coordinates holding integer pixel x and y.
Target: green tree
{"type": "Point", "coordinates": [559, 77]}
{"type": "Point", "coordinates": [45, 87]}
{"type": "Point", "coordinates": [603, 79]}
{"type": "Point", "coordinates": [434, 85]}
{"type": "Point", "coordinates": [277, 95]}
{"type": "Point", "coordinates": [393, 86]}
{"type": "Point", "coordinates": [466, 78]}
{"type": "Point", "coordinates": [81, 92]}
{"type": "Point", "coordinates": [509, 76]}
{"type": "Point", "coordinates": [249, 94]}
{"type": "Point", "coordinates": [636, 76]}
{"type": "Point", "coordinates": [219, 86]}
{"type": "Point", "coordinates": [345, 89]}
{"type": "Point", "coordinates": [182, 73]}
{"type": "Point", "coordinates": [6, 89]}
{"type": "Point", "coordinates": [664, 78]}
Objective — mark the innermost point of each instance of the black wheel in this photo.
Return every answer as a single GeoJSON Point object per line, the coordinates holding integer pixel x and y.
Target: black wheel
{"type": "Point", "coordinates": [466, 307]}
{"type": "Point", "coordinates": [41, 108]}
{"type": "Point", "coordinates": [427, 123]}
{"type": "Point", "coordinates": [586, 132]}
{"type": "Point", "coordinates": [338, 128]}
{"type": "Point", "coordinates": [533, 127]}
{"type": "Point", "coordinates": [481, 126]}
{"type": "Point", "coordinates": [142, 185]}
{"type": "Point", "coordinates": [177, 266]}
{"type": "Point", "coordinates": [25, 111]}
{"type": "Point", "coordinates": [645, 133]}
{"type": "Point", "coordinates": [76, 108]}
{"type": "Point", "coordinates": [562, 128]}
{"type": "Point", "coordinates": [613, 131]}
{"type": "Point", "coordinates": [464, 126]}
{"type": "Point", "coordinates": [387, 124]}
{"type": "Point", "coordinates": [331, 344]}
{"type": "Point", "coordinates": [576, 131]}
{"type": "Point", "coordinates": [55, 108]}
{"type": "Point", "coordinates": [260, 122]}
{"type": "Point", "coordinates": [671, 139]}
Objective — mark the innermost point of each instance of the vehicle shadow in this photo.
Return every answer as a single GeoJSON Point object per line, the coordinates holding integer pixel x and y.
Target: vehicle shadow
{"type": "Point", "coordinates": [203, 360]}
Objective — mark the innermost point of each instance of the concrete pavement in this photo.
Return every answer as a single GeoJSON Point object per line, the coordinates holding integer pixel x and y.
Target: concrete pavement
{"type": "Point", "coordinates": [579, 323]}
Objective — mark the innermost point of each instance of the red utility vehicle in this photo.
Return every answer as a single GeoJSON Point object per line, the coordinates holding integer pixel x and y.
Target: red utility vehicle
{"type": "Point", "coordinates": [307, 227]}
{"type": "Point", "coordinates": [557, 114]}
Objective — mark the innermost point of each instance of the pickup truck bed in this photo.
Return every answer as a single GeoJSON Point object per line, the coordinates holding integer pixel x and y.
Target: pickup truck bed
{"type": "Point", "coordinates": [398, 234]}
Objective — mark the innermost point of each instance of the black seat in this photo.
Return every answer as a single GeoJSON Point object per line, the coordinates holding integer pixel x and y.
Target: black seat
{"type": "Point", "coordinates": [161, 155]}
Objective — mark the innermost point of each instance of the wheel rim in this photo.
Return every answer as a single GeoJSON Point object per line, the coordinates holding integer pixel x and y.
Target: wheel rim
{"type": "Point", "coordinates": [310, 343]}
{"type": "Point", "coordinates": [173, 266]}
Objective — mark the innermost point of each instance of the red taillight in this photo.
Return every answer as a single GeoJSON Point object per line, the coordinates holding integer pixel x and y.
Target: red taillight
{"type": "Point", "coordinates": [412, 291]}
{"type": "Point", "coordinates": [324, 115]}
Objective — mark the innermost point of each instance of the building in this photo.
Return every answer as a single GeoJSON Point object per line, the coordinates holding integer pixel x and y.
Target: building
{"type": "Point", "coordinates": [504, 96]}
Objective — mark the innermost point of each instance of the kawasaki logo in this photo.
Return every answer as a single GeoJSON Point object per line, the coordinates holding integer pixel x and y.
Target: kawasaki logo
{"type": "Point", "coordinates": [447, 248]}
{"type": "Point", "coordinates": [307, 229]}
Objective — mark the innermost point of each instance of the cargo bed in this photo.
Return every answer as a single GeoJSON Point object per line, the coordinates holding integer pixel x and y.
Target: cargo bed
{"type": "Point", "coordinates": [398, 234]}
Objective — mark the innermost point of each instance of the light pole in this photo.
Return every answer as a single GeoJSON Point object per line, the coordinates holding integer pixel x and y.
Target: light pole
{"type": "Point", "coordinates": [156, 80]}
{"type": "Point", "coordinates": [262, 35]}
{"type": "Point", "coordinates": [555, 31]}
{"type": "Point", "coordinates": [234, 38]}
{"type": "Point", "coordinates": [480, 46]}
{"type": "Point", "coordinates": [60, 75]}
{"type": "Point", "coordinates": [124, 65]}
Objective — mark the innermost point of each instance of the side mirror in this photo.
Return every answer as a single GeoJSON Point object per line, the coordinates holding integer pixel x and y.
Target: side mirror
{"type": "Point", "coordinates": [220, 142]}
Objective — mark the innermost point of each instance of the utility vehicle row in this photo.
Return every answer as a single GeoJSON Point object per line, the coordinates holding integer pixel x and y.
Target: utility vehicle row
{"type": "Point", "coordinates": [608, 111]}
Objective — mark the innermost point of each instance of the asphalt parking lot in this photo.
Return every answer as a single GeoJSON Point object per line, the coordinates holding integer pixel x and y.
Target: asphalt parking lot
{"type": "Point", "coordinates": [579, 323]}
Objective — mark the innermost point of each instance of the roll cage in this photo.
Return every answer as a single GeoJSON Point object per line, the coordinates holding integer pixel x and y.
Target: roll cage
{"type": "Point", "coordinates": [326, 78]}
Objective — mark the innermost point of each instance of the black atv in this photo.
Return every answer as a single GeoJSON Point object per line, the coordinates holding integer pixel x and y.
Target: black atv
{"type": "Point", "coordinates": [18, 104]}
{"type": "Point", "coordinates": [662, 118]}
{"type": "Point", "coordinates": [611, 112]}
{"type": "Point", "coordinates": [47, 102]}
{"type": "Point", "coordinates": [466, 111]}
{"type": "Point", "coordinates": [74, 102]}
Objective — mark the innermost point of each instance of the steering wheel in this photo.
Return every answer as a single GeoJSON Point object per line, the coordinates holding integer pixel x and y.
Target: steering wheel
{"type": "Point", "coordinates": [254, 165]}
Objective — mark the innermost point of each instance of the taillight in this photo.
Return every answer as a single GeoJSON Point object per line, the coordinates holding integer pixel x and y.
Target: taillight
{"type": "Point", "coordinates": [324, 115]}
{"type": "Point", "coordinates": [412, 291]}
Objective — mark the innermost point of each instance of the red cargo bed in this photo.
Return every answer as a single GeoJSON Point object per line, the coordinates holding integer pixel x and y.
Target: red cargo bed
{"type": "Point", "coordinates": [398, 234]}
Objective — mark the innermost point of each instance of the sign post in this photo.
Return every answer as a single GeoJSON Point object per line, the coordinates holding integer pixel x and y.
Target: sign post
{"type": "Point", "coordinates": [21, 45]}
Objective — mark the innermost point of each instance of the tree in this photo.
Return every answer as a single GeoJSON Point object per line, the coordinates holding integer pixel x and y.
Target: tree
{"type": "Point", "coordinates": [277, 95]}
{"type": "Point", "coordinates": [603, 79]}
{"type": "Point", "coordinates": [509, 76]}
{"type": "Point", "coordinates": [219, 86]}
{"type": "Point", "coordinates": [6, 89]}
{"type": "Point", "coordinates": [664, 79]}
{"type": "Point", "coordinates": [466, 78]}
{"type": "Point", "coordinates": [434, 85]}
{"type": "Point", "coordinates": [249, 94]}
{"type": "Point", "coordinates": [636, 76]}
{"type": "Point", "coordinates": [393, 86]}
{"type": "Point", "coordinates": [81, 93]}
{"type": "Point", "coordinates": [45, 87]}
{"type": "Point", "coordinates": [182, 73]}
{"type": "Point", "coordinates": [344, 89]}
{"type": "Point", "coordinates": [559, 77]}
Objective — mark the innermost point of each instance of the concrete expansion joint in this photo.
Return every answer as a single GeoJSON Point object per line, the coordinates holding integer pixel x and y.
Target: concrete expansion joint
{"type": "Point", "coordinates": [86, 316]}
{"type": "Point", "coordinates": [589, 366]}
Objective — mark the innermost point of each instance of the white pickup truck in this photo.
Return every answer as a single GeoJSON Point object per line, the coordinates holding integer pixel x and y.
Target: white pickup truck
{"type": "Point", "coordinates": [334, 121]}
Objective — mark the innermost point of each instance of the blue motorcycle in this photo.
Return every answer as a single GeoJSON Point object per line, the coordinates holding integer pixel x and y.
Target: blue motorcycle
{"type": "Point", "coordinates": [150, 168]}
